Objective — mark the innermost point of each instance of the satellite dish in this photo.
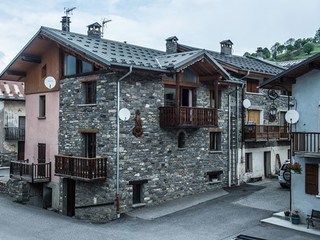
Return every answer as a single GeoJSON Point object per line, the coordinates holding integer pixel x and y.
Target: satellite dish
{"type": "Point", "coordinates": [246, 103]}
{"type": "Point", "coordinates": [124, 114]}
{"type": "Point", "coordinates": [50, 82]}
{"type": "Point", "coordinates": [292, 116]}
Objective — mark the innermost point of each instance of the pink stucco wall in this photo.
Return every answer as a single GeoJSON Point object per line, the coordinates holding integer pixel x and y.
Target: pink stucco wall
{"type": "Point", "coordinates": [42, 130]}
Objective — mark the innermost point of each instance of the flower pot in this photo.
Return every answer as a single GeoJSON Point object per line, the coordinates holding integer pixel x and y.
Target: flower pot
{"type": "Point", "coordinates": [295, 219]}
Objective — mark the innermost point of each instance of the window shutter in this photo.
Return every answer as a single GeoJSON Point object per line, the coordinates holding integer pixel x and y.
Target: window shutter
{"type": "Point", "coordinates": [312, 179]}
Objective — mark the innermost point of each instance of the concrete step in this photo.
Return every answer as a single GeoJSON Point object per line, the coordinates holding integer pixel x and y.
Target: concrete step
{"type": "Point", "coordinates": [281, 215]}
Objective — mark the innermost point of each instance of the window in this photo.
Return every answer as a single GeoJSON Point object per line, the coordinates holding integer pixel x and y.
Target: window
{"type": "Point", "coordinates": [73, 66]}
{"type": "Point", "coordinates": [248, 164]}
{"type": "Point", "coordinates": [189, 76]}
{"type": "Point", "coordinates": [215, 141]}
{"type": "Point", "coordinates": [253, 117]}
{"type": "Point", "coordinates": [212, 99]}
{"type": "Point", "coordinates": [42, 106]}
{"type": "Point", "coordinates": [169, 97]}
{"type": "Point", "coordinates": [89, 148]}
{"type": "Point", "coordinates": [214, 176]}
{"type": "Point", "coordinates": [137, 190]}
{"type": "Point", "coordinates": [252, 86]}
{"type": "Point", "coordinates": [187, 97]}
{"type": "Point", "coordinates": [181, 140]}
{"type": "Point", "coordinates": [89, 92]}
{"type": "Point", "coordinates": [311, 181]}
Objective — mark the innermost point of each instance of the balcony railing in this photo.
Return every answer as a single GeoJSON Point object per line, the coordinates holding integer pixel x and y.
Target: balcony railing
{"type": "Point", "coordinates": [14, 133]}
{"type": "Point", "coordinates": [33, 173]}
{"type": "Point", "coordinates": [171, 117]}
{"type": "Point", "coordinates": [81, 168]}
{"type": "Point", "coordinates": [265, 132]}
{"type": "Point", "coordinates": [306, 142]}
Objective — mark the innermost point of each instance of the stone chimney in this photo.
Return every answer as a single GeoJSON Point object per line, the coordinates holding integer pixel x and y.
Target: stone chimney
{"type": "Point", "coordinates": [260, 53]}
{"type": "Point", "coordinates": [172, 44]}
{"type": "Point", "coordinates": [65, 23]}
{"type": "Point", "coordinates": [226, 47]}
{"type": "Point", "coordinates": [94, 30]}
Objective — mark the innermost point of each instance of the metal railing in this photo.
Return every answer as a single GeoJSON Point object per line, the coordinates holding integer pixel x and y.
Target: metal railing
{"type": "Point", "coordinates": [14, 133]}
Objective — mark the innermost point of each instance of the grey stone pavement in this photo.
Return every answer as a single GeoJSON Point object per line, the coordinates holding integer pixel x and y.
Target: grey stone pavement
{"type": "Point", "coordinates": [216, 215]}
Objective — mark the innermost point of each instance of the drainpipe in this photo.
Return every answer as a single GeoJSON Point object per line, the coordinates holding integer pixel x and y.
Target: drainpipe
{"type": "Point", "coordinates": [237, 134]}
{"type": "Point", "coordinates": [118, 142]}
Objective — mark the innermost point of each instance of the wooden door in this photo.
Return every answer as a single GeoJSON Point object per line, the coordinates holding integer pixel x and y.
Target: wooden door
{"type": "Point", "coordinates": [41, 159]}
{"type": "Point", "coordinates": [69, 197]}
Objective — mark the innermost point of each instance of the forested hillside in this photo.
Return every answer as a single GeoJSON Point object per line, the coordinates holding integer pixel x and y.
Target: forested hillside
{"type": "Point", "coordinates": [292, 49]}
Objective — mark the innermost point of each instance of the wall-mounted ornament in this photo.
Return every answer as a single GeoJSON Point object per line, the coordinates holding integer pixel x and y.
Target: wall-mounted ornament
{"type": "Point", "coordinates": [137, 131]}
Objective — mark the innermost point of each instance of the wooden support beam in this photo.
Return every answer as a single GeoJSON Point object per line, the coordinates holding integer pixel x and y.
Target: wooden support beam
{"type": "Point", "coordinates": [17, 73]}
{"type": "Point", "coordinates": [31, 58]}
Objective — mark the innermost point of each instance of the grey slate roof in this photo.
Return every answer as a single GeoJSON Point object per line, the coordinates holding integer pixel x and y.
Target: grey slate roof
{"type": "Point", "coordinates": [242, 63]}
{"type": "Point", "coordinates": [107, 51]}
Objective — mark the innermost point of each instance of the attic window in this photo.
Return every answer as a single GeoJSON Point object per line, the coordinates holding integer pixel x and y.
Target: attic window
{"type": "Point", "coordinates": [189, 76]}
{"type": "Point", "coordinates": [73, 66]}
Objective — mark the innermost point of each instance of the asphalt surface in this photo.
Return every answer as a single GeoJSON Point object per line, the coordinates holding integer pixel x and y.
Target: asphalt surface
{"type": "Point", "coordinates": [223, 218]}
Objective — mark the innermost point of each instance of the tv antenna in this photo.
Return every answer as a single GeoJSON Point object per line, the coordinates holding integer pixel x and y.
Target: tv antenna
{"type": "Point", "coordinates": [104, 22]}
{"type": "Point", "coordinates": [68, 11]}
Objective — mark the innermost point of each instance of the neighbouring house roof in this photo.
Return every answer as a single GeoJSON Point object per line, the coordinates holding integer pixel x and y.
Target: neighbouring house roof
{"type": "Point", "coordinates": [11, 90]}
{"type": "Point", "coordinates": [287, 77]}
{"type": "Point", "coordinates": [241, 63]}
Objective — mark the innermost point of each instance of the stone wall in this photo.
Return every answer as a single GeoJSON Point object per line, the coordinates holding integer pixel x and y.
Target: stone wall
{"type": "Point", "coordinates": [19, 190]}
{"type": "Point", "coordinates": [170, 172]}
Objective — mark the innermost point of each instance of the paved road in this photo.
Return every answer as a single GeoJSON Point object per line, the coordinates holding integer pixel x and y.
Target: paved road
{"type": "Point", "coordinates": [239, 212]}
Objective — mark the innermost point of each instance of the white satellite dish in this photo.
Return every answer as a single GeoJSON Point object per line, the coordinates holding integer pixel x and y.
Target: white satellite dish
{"type": "Point", "coordinates": [246, 103]}
{"type": "Point", "coordinates": [124, 114]}
{"type": "Point", "coordinates": [50, 82]}
{"type": "Point", "coordinates": [292, 116]}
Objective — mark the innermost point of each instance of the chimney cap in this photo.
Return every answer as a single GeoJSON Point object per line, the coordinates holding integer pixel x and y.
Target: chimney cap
{"type": "Point", "coordinates": [172, 39]}
{"type": "Point", "coordinates": [227, 42]}
{"type": "Point", "coordinates": [96, 24]}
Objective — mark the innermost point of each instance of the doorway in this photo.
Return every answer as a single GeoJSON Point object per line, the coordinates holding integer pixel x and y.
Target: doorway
{"type": "Point", "coordinates": [267, 164]}
{"type": "Point", "coordinates": [69, 197]}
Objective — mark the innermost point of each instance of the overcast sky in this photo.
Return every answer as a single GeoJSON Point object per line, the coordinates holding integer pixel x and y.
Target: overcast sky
{"type": "Point", "coordinates": [200, 23]}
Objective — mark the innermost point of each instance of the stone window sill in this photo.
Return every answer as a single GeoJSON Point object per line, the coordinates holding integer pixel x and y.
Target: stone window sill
{"type": "Point", "coordinates": [214, 182]}
{"type": "Point", "coordinates": [87, 105]}
{"type": "Point", "coordinates": [137, 205]}
{"type": "Point", "coordinates": [41, 118]}
{"type": "Point", "coordinates": [215, 152]}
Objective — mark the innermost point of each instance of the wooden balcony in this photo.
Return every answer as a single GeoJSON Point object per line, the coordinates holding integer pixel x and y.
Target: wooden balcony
{"type": "Point", "coordinates": [265, 132]}
{"type": "Point", "coordinates": [32, 173]}
{"type": "Point", "coordinates": [14, 133]}
{"type": "Point", "coordinates": [81, 168]}
{"type": "Point", "coordinates": [188, 117]}
{"type": "Point", "coordinates": [307, 143]}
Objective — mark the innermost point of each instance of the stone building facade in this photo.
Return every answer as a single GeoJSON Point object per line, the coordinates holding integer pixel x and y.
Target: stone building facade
{"type": "Point", "coordinates": [154, 161]}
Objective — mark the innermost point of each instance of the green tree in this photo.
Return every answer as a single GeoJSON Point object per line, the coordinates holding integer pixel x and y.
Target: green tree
{"type": "Point", "coordinates": [308, 47]}
{"type": "Point", "coordinates": [316, 38]}
{"type": "Point", "coordinates": [274, 50]}
{"type": "Point", "coordinates": [266, 53]}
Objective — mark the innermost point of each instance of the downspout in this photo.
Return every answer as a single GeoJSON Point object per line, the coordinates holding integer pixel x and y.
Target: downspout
{"type": "Point", "coordinates": [237, 133]}
{"type": "Point", "coordinates": [118, 141]}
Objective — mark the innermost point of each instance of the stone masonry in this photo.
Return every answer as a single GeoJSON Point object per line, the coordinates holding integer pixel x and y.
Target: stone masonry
{"type": "Point", "coordinates": [169, 172]}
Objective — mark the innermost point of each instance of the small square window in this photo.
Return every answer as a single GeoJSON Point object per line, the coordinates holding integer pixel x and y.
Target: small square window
{"type": "Point", "coordinates": [215, 141]}
{"type": "Point", "coordinates": [215, 176]}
